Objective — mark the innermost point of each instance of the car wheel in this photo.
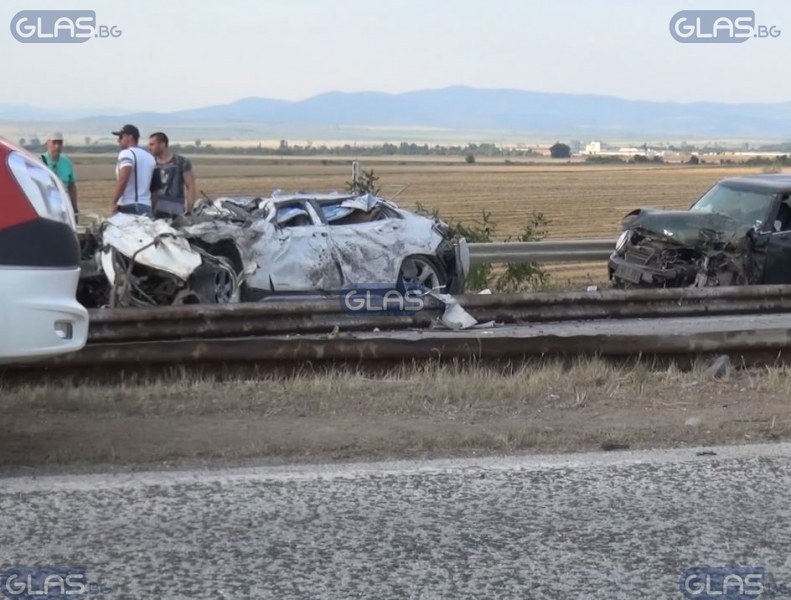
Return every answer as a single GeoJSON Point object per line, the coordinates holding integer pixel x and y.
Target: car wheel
{"type": "Point", "coordinates": [216, 282]}
{"type": "Point", "coordinates": [422, 271]}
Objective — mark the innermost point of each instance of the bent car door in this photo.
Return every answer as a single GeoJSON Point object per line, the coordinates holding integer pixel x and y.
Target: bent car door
{"type": "Point", "coordinates": [777, 266]}
{"type": "Point", "coordinates": [369, 241]}
{"type": "Point", "coordinates": [295, 255]}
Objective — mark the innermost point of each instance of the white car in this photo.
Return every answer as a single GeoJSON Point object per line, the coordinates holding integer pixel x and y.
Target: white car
{"type": "Point", "coordinates": [39, 262]}
{"type": "Point", "coordinates": [252, 249]}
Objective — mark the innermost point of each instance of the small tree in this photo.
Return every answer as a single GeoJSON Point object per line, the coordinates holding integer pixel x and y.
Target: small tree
{"type": "Point", "coordinates": [558, 150]}
{"type": "Point", "coordinates": [364, 184]}
{"type": "Point", "coordinates": [519, 277]}
{"type": "Point", "coordinates": [198, 143]}
{"type": "Point", "coordinates": [22, 142]}
{"type": "Point", "coordinates": [693, 160]}
{"type": "Point", "coordinates": [469, 158]}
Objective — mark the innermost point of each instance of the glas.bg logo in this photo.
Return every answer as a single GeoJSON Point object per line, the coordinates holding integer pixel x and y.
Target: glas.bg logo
{"type": "Point", "coordinates": [37, 583]}
{"type": "Point", "coordinates": [718, 27]}
{"type": "Point", "coordinates": [385, 299]}
{"type": "Point", "coordinates": [59, 27]}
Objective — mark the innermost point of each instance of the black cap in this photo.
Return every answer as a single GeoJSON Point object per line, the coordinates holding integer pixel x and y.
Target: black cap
{"type": "Point", "coordinates": [128, 129]}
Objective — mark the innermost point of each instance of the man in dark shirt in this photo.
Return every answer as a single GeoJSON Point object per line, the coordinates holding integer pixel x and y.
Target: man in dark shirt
{"type": "Point", "coordinates": [172, 177]}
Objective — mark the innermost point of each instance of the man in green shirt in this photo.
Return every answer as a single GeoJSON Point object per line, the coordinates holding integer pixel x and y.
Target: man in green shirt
{"type": "Point", "coordinates": [61, 165]}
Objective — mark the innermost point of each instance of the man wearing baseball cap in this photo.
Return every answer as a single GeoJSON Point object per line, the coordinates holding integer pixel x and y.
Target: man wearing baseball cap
{"type": "Point", "coordinates": [133, 173]}
{"type": "Point", "coordinates": [60, 164]}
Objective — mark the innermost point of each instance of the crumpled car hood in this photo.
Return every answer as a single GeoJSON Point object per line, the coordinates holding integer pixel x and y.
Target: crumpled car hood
{"type": "Point", "coordinates": [691, 229]}
{"type": "Point", "coordinates": [154, 244]}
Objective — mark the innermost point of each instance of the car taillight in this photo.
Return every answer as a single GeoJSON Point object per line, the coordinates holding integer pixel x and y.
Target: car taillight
{"type": "Point", "coordinates": [42, 188]}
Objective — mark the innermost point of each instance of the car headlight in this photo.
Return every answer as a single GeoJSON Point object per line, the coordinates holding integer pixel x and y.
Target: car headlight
{"type": "Point", "coordinates": [621, 243]}
{"type": "Point", "coordinates": [441, 228]}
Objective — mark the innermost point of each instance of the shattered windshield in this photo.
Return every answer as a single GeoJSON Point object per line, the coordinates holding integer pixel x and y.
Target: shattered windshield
{"type": "Point", "coordinates": [747, 207]}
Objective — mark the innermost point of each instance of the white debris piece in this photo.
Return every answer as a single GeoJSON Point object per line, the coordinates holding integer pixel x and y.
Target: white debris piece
{"type": "Point", "coordinates": [154, 244]}
{"type": "Point", "coordinates": [719, 368]}
{"type": "Point", "coordinates": [454, 317]}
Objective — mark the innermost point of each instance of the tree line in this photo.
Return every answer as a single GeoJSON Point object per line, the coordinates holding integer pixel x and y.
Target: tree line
{"type": "Point", "coordinates": [287, 149]}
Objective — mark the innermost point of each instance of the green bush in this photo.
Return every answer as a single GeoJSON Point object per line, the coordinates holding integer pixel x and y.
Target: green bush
{"type": "Point", "coordinates": [365, 184]}
{"type": "Point", "coordinates": [517, 277]}
{"type": "Point", "coordinates": [601, 159]}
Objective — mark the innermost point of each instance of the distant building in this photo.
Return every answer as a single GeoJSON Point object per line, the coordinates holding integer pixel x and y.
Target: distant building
{"type": "Point", "coordinates": [592, 148]}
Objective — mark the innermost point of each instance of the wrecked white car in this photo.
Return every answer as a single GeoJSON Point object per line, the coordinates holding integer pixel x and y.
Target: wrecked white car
{"type": "Point", "coordinates": [248, 249]}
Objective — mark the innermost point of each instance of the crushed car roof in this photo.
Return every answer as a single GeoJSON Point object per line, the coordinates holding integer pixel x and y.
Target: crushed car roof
{"type": "Point", "coordinates": [278, 196]}
{"type": "Point", "coordinates": [774, 181]}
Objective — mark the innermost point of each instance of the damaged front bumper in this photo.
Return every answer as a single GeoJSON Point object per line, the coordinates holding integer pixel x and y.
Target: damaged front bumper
{"type": "Point", "coordinates": [666, 264]}
{"type": "Point", "coordinates": [624, 272]}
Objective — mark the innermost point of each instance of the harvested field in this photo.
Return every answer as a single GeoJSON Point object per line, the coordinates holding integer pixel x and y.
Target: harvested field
{"type": "Point", "coordinates": [579, 200]}
{"type": "Point", "coordinates": [420, 411]}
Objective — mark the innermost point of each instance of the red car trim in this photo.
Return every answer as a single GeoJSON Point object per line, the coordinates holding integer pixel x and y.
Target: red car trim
{"type": "Point", "coordinates": [15, 208]}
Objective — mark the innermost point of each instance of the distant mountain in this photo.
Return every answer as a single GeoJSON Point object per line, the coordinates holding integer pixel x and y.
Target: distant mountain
{"type": "Point", "coordinates": [467, 109]}
{"type": "Point", "coordinates": [25, 112]}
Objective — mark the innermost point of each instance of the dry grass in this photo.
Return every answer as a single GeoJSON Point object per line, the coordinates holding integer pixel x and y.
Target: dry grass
{"type": "Point", "coordinates": [579, 200]}
{"type": "Point", "coordinates": [412, 411]}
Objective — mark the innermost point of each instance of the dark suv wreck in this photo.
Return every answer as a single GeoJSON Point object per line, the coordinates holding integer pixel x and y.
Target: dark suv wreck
{"type": "Point", "coordinates": [737, 233]}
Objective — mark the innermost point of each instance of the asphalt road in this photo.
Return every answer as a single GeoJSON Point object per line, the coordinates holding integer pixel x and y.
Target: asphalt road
{"type": "Point", "coordinates": [609, 525]}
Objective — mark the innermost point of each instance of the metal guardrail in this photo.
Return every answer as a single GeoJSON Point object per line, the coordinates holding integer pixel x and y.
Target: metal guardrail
{"type": "Point", "coordinates": [767, 345]}
{"type": "Point", "coordinates": [323, 317]}
{"type": "Point", "coordinates": [287, 317]}
{"type": "Point", "coordinates": [542, 252]}
{"type": "Point", "coordinates": [279, 332]}
{"type": "Point", "coordinates": [545, 251]}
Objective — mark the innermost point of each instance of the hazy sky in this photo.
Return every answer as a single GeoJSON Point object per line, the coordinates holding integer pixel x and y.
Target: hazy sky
{"type": "Point", "coordinates": [180, 54]}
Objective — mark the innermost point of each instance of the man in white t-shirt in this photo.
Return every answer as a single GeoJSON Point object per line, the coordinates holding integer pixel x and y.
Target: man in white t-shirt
{"type": "Point", "coordinates": [133, 173]}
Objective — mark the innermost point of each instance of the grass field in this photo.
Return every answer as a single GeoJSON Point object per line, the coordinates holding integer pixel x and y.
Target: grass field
{"type": "Point", "coordinates": [579, 200]}
{"type": "Point", "coordinates": [413, 411]}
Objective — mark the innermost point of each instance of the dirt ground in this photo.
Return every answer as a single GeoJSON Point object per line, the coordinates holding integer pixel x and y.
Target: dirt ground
{"type": "Point", "coordinates": [420, 411]}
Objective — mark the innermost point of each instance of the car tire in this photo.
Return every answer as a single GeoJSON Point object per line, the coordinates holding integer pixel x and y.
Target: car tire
{"type": "Point", "coordinates": [422, 270]}
{"type": "Point", "coordinates": [216, 281]}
